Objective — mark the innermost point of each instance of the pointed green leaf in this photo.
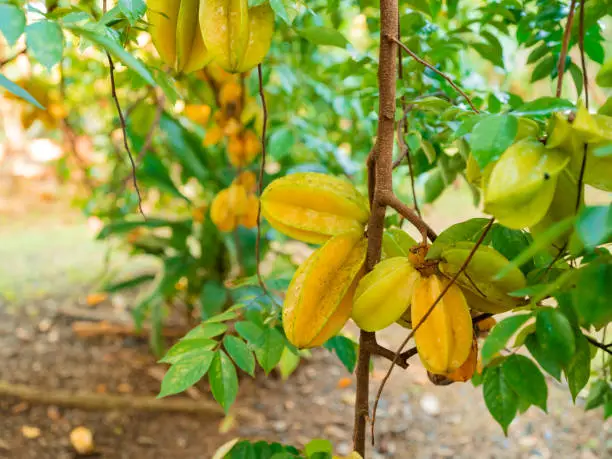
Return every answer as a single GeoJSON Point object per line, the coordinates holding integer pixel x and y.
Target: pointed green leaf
{"type": "Point", "coordinates": [500, 334]}
{"type": "Point", "coordinates": [18, 91]}
{"type": "Point", "coordinates": [526, 379]}
{"type": "Point", "coordinates": [187, 349]}
{"type": "Point", "coordinates": [269, 352]}
{"type": "Point", "coordinates": [501, 400]}
{"type": "Point", "coordinates": [185, 374]}
{"type": "Point", "coordinates": [45, 42]}
{"type": "Point", "coordinates": [555, 335]}
{"type": "Point", "coordinates": [491, 137]}
{"type": "Point", "coordinates": [223, 380]}
{"type": "Point", "coordinates": [12, 23]}
{"type": "Point", "coordinates": [240, 354]}
{"type": "Point", "coordinates": [578, 369]}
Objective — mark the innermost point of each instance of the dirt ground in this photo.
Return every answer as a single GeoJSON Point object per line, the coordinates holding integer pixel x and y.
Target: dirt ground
{"type": "Point", "coordinates": [415, 419]}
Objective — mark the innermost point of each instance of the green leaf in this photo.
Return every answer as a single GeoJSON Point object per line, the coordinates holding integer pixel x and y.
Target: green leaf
{"type": "Point", "coordinates": [154, 173]}
{"type": "Point", "coordinates": [323, 36]}
{"type": "Point", "coordinates": [250, 332]}
{"type": "Point", "coordinates": [491, 137]}
{"type": "Point", "coordinates": [115, 49]}
{"type": "Point", "coordinates": [597, 395]}
{"type": "Point", "coordinates": [185, 374]}
{"type": "Point", "coordinates": [594, 226]}
{"type": "Point", "coordinates": [543, 69]}
{"type": "Point", "coordinates": [223, 380]}
{"type": "Point", "coordinates": [543, 106]}
{"type": "Point", "coordinates": [345, 349]}
{"type": "Point", "coordinates": [45, 42]}
{"type": "Point", "coordinates": [549, 364]}
{"type": "Point", "coordinates": [206, 330]}
{"type": "Point", "coordinates": [469, 230]}
{"type": "Point", "coordinates": [12, 23]}
{"type": "Point", "coordinates": [279, 9]}
{"type": "Point", "coordinates": [578, 78]}
{"type": "Point", "coordinates": [433, 184]}
{"type": "Point", "coordinates": [501, 400]}
{"type": "Point", "coordinates": [591, 295]}
{"type": "Point", "coordinates": [132, 9]}
{"type": "Point", "coordinates": [188, 349]}
{"type": "Point", "coordinates": [526, 379]}
{"type": "Point", "coordinates": [555, 335]}
{"type": "Point", "coordinates": [604, 76]}
{"type": "Point", "coordinates": [287, 364]}
{"type": "Point", "coordinates": [318, 446]}
{"type": "Point", "coordinates": [540, 244]}
{"type": "Point", "coordinates": [240, 354]}
{"type": "Point", "coordinates": [281, 142]}
{"type": "Point", "coordinates": [500, 334]}
{"type": "Point", "coordinates": [19, 91]}
{"type": "Point", "coordinates": [578, 370]}
{"type": "Point", "coordinates": [269, 352]}
{"type": "Point", "coordinates": [212, 298]}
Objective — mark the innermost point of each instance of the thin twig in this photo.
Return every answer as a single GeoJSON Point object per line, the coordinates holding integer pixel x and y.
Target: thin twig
{"type": "Point", "coordinates": [564, 48]}
{"type": "Point", "coordinates": [586, 100]}
{"type": "Point", "coordinates": [262, 169]}
{"type": "Point", "coordinates": [424, 318]}
{"type": "Point", "coordinates": [389, 199]}
{"type": "Point", "coordinates": [603, 347]}
{"type": "Point", "coordinates": [585, 77]}
{"type": "Point", "coordinates": [431, 67]}
{"type": "Point", "coordinates": [124, 132]}
{"type": "Point", "coordinates": [10, 59]}
{"type": "Point", "coordinates": [402, 128]}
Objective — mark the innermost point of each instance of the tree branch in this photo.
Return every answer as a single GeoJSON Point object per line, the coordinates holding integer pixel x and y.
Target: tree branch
{"type": "Point", "coordinates": [431, 67]}
{"type": "Point", "coordinates": [10, 59]}
{"type": "Point", "coordinates": [564, 48]}
{"type": "Point", "coordinates": [604, 347]}
{"type": "Point", "coordinates": [380, 180]}
{"type": "Point", "coordinates": [389, 199]}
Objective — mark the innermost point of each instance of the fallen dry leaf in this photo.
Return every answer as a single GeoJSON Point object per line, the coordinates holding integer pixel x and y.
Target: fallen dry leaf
{"type": "Point", "coordinates": [19, 408]}
{"type": "Point", "coordinates": [81, 439]}
{"type": "Point", "coordinates": [125, 388]}
{"type": "Point", "coordinates": [344, 382]}
{"type": "Point", "coordinates": [101, 389]}
{"type": "Point", "coordinates": [94, 299]}
{"type": "Point", "coordinates": [53, 413]}
{"type": "Point", "coordinates": [30, 432]}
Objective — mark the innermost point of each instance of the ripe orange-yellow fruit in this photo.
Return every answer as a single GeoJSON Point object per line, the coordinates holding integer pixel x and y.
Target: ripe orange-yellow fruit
{"type": "Point", "coordinates": [466, 371]}
{"type": "Point", "coordinates": [199, 114]}
{"type": "Point", "coordinates": [444, 339]}
{"type": "Point", "coordinates": [320, 296]}
{"type": "Point", "coordinates": [312, 207]}
{"type": "Point", "coordinates": [213, 136]}
{"type": "Point", "coordinates": [230, 93]}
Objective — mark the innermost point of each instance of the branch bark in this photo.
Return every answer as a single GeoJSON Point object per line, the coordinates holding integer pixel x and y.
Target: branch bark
{"type": "Point", "coordinates": [380, 165]}
{"type": "Point", "coordinates": [564, 47]}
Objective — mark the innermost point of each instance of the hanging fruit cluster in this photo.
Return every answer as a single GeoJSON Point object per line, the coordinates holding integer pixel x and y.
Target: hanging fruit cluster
{"type": "Point", "coordinates": [330, 286]}
{"type": "Point", "coordinates": [535, 183]}
{"type": "Point", "coordinates": [236, 205]}
{"type": "Point", "coordinates": [188, 34]}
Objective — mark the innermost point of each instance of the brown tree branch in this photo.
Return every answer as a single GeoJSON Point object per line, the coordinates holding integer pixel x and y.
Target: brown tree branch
{"type": "Point", "coordinates": [424, 318]}
{"type": "Point", "coordinates": [262, 170]}
{"type": "Point", "coordinates": [585, 77]}
{"type": "Point", "coordinates": [10, 59]}
{"type": "Point", "coordinates": [391, 200]}
{"type": "Point", "coordinates": [108, 402]}
{"type": "Point", "coordinates": [564, 48]}
{"type": "Point", "coordinates": [380, 179]}
{"type": "Point", "coordinates": [431, 67]}
{"type": "Point", "coordinates": [374, 348]}
{"type": "Point", "coordinates": [602, 346]}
